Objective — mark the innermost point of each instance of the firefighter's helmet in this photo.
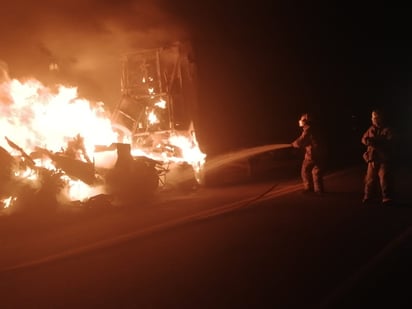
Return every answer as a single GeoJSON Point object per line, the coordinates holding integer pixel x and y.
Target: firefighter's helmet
{"type": "Point", "coordinates": [377, 117]}
{"type": "Point", "coordinates": [305, 119]}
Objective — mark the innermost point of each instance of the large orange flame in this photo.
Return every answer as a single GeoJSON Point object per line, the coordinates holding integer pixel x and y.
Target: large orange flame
{"type": "Point", "coordinates": [38, 117]}
{"type": "Point", "coordinates": [35, 116]}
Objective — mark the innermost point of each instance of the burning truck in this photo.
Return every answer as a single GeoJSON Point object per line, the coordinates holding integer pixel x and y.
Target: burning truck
{"type": "Point", "coordinates": [158, 107]}
{"type": "Point", "coordinates": [62, 149]}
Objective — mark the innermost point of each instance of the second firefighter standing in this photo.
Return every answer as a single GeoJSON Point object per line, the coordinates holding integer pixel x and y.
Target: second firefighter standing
{"type": "Point", "coordinates": [378, 139]}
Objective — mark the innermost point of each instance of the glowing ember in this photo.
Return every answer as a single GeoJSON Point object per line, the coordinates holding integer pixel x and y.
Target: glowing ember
{"type": "Point", "coordinates": [8, 201]}
{"type": "Point", "coordinates": [152, 118]}
{"type": "Point", "coordinates": [28, 174]}
{"type": "Point", "coordinates": [161, 104]}
{"type": "Point", "coordinates": [76, 189]}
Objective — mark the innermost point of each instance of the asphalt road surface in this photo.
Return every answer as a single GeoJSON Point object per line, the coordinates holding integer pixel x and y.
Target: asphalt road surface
{"type": "Point", "coordinates": [251, 245]}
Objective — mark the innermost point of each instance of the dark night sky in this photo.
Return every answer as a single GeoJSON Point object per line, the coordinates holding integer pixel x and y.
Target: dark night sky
{"type": "Point", "coordinates": [260, 63]}
{"type": "Point", "coordinates": [276, 60]}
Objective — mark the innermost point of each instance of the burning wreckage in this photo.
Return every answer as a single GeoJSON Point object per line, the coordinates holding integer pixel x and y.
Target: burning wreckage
{"type": "Point", "coordinates": [60, 149]}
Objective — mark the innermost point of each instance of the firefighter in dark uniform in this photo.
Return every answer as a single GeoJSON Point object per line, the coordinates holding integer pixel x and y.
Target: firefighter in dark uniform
{"type": "Point", "coordinates": [378, 139]}
{"type": "Point", "coordinates": [311, 171]}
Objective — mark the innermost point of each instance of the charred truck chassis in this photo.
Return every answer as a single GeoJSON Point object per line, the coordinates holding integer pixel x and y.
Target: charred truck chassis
{"type": "Point", "coordinates": [158, 99]}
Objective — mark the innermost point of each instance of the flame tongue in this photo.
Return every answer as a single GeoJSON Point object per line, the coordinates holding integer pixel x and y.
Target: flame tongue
{"type": "Point", "coordinates": [37, 117]}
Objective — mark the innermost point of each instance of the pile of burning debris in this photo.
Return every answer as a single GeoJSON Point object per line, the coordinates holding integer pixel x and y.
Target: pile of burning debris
{"type": "Point", "coordinates": [62, 149]}
{"type": "Point", "coordinates": [78, 168]}
{"type": "Point", "coordinates": [26, 185]}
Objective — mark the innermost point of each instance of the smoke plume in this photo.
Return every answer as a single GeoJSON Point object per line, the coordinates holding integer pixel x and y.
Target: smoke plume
{"type": "Point", "coordinates": [80, 42]}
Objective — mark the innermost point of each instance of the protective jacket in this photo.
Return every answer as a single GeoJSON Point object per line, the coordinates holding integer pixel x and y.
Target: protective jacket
{"type": "Point", "coordinates": [309, 141]}
{"type": "Point", "coordinates": [378, 141]}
